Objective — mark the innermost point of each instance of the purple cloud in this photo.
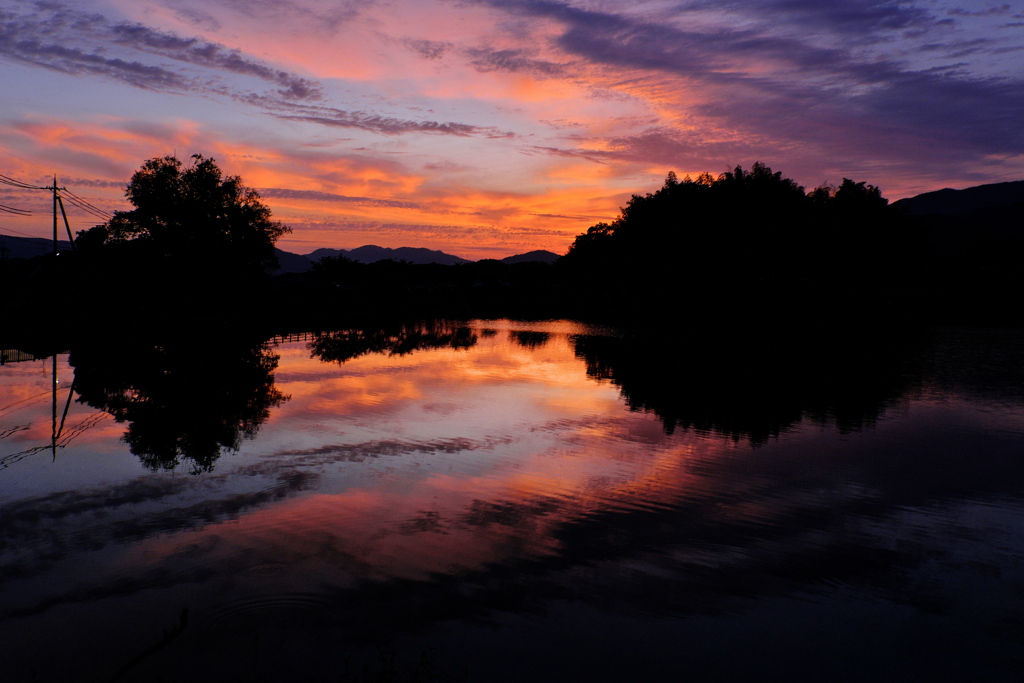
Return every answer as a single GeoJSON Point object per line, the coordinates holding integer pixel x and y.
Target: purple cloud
{"type": "Point", "coordinates": [428, 49]}
{"type": "Point", "coordinates": [210, 55]}
{"type": "Point", "coordinates": [77, 43]}
{"type": "Point", "coordinates": [386, 125]}
{"type": "Point", "coordinates": [57, 37]}
{"type": "Point", "coordinates": [485, 59]}
{"type": "Point", "coordinates": [805, 89]}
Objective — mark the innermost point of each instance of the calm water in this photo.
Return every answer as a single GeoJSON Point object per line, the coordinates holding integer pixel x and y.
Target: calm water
{"type": "Point", "coordinates": [503, 501]}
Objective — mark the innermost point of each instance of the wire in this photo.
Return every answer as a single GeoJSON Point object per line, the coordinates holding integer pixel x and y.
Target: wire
{"type": "Point", "coordinates": [35, 237]}
{"type": "Point", "coordinates": [14, 430]}
{"type": "Point", "coordinates": [62, 442]}
{"type": "Point", "coordinates": [80, 202]}
{"type": "Point", "coordinates": [79, 198]}
{"type": "Point", "coordinates": [96, 214]}
{"type": "Point", "coordinates": [23, 160]}
{"type": "Point", "coordinates": [86, 206]}
{"type": "Point", "coordinates": [16, 212]}
{"type": "Point", "coordinates": [24, 400]}
{"type": "Point", "coordinates": [7, 180]}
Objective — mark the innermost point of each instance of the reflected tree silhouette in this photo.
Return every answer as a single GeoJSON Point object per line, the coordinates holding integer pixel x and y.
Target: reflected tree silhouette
{"type": "Point", "coordinates": [756, 389]}
{"type": "Point", "coordinates": [529, 339]}
{"type": "Point", "coordinates": [185, 399]}
{"type": "Point", "coordinates": [340, 346]}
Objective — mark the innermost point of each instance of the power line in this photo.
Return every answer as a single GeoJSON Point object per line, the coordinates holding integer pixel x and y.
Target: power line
{"type": "Point", "coordinates": [35, 237]}
{"type": "Point", "coordinates": [7, 180]}
{"type": "Point", "coordinates": [85, 205]}
{"type": "Point", "coordinates": [81, 202]}
{"type": "Point", "coordinates": [59, 194]}
{"type": "Point", "coordinates": [16, 212]}
{"type": "Point", "coordinates": [88, 208]}
{"type": "Point", "coordinates": [23, 160]}
{"type": "Point", "coordinates": [80, 198]}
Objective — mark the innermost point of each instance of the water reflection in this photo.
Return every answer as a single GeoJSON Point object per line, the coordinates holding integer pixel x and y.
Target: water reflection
{"type": "Point", "coordinates": [60, 397]}
{"type": "Point", "coordinates": [756, 388]}
{"type": "Point", "coordinates": [186, 398]}
{"type": "Point", "coordinates": [494, 496]}
{"type": "Point", "coordinates": [395, 339]}
{"type": "Point", "coordinates": [530, 339]}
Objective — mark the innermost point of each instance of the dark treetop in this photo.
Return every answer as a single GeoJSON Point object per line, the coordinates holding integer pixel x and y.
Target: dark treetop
{"type": "Point", "coordinates": [193, 215]}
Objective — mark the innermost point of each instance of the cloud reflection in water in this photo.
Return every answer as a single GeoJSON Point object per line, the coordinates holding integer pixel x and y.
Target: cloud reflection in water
{"type": "Point", "coordinates": [398, 494]}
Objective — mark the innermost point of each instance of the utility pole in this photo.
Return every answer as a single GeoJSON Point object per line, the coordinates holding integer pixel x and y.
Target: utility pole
{"type": "Point", "coordinates": [67, 226]}
{"type": "Point", "coordinates": [58, 202]}
{"type": "Point", "coordinates": [54, 188]}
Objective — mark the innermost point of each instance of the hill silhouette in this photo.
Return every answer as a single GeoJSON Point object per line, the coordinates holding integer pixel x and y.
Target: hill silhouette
{"type": "Point", "coordinates": [949, 202]}
{"type": "Point", "coordinates": [297, 263]}
{"type": "Point", "coordinates": [535, 256]}
{"type": "Point", "coordinates": [287, 262]}
{"type": "Point", "coordinates": [371, 253]}
{"type": "Point", "coordinates": [13, 246]}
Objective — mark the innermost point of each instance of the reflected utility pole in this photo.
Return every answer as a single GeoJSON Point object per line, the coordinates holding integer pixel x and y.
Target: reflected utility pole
{"type": "Point", "coordinates": [53, 423]}
{"type": "Point", "coordinates": [56, 430]}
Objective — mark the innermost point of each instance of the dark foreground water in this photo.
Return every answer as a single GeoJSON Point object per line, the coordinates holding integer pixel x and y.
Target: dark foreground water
{"type": "Point", "coordinates": [501, 501]}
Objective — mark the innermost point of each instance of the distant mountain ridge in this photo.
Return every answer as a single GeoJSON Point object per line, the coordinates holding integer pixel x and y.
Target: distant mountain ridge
{"type": "Point", "coordinates": [961, 219]}
{"type": "Point", "coordinates": [287, 262]}
{"type": "Point", "coordinates": [949, 202]}
{"type": "Point", "coordinates": [535, 256]}
{"type": "Point", "coordinates": [371, 253]}
{"type": "Point", "coordinates": [12, 246]}
{"type": "Point", "coordinates": [298, 263]}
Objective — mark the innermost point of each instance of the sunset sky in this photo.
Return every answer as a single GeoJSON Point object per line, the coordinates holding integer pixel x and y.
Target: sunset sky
{"type": "Point", "coordinates": [491, 127]}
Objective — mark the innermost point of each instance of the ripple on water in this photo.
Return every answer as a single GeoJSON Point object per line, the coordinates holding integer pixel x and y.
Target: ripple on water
{"type": "Point", "coordinates": [294, 609]}
{"type": "Point", "coordinates": [266, 571]}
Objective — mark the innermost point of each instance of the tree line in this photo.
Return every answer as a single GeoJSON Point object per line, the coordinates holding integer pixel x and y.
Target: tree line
{"type": "Point", "coordinates": [744, 242]}
{"type": "Point", "coordinates": [747, 245]}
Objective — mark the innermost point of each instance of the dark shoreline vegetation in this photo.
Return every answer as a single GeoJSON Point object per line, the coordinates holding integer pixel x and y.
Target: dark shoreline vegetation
{"type": "Point", "coordinates": [748, 248]}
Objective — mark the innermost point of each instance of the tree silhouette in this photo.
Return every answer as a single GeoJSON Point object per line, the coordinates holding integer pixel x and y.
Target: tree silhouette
{"type": "Point", "coordinates": [745, 242]}
{"type": "Point", "coordinates": [193, 214]}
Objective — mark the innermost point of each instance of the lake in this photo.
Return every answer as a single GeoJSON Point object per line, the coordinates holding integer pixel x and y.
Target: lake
{"type": "Point", "coordinates": [508, 501]}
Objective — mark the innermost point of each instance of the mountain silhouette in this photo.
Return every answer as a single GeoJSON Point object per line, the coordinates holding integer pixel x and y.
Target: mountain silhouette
{"type": "Point", "coordinates": [949, 202]}
{"type": "Point", "coordinates": [989, 218]}
{"type": "Point", "coordinates": [371, 253]}
{"type": "Point", "coordinates": [535, 256]}
{"type": "Point", "coordinates": [12, 246]}
{"type": "Point", "coordinates": [287, 262]}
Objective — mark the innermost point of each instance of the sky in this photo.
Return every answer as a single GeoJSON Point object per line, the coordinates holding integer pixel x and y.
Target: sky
{"type": "Point", "coordinates": [487, 128]}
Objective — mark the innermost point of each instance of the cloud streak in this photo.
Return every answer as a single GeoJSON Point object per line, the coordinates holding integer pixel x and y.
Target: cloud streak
{"type": "Point", "coordinates": [283, 193]}
{"type": "Point", "coordinates": [210, 55]}
{"type": "Point", "coordinates": [77, 43]}
{"type": "Point", "coordinates": [374, 123]}
{"type": "Point", "coordinates": [59, 38]}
